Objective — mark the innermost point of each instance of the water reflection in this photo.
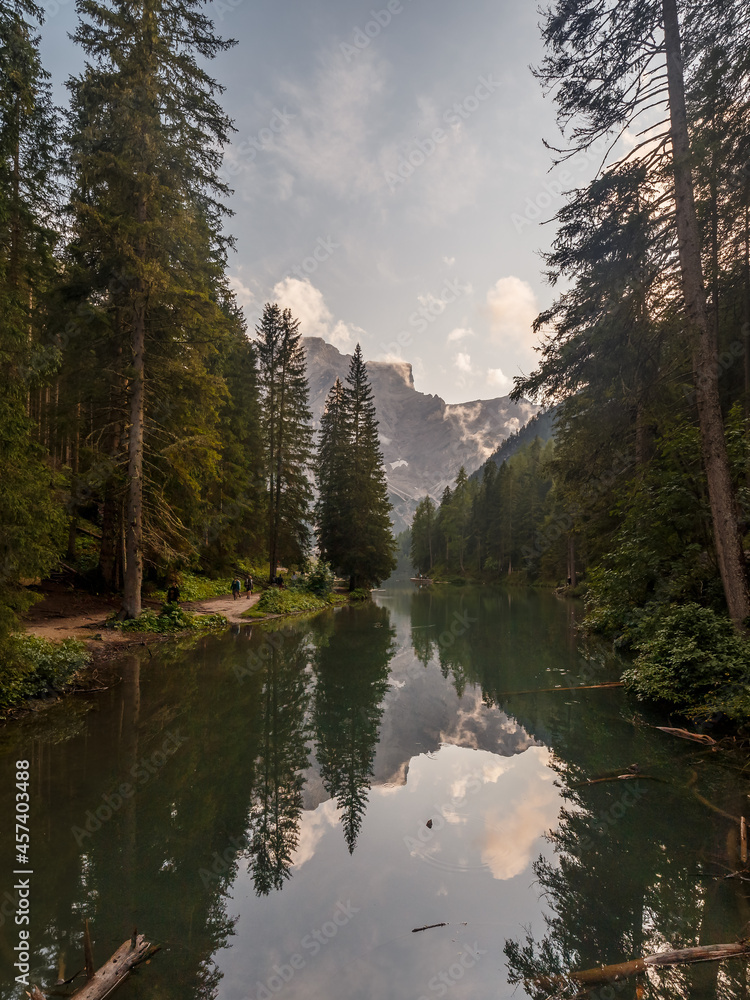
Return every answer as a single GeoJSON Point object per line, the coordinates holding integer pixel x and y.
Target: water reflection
{"type": "Point", "coordinates": [309, 758]}
{"type": "Point", "coordinates": [282, 756]}
{"type": "Point", "coordinates": [352, 653]}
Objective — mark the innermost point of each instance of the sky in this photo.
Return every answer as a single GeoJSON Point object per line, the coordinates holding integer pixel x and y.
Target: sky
{"type": "Point", "coordinates": [391, 186]}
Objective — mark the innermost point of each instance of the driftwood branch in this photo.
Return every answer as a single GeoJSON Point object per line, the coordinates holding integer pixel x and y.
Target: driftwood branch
{"type": "Point", "coordinates": [663, 959]}
{"type": "Point", "coordinates": [685, 734]}
{"type": "Point", "coordinates": [577, 687]}
{"type": "Point", "coordinates": [128, 956]}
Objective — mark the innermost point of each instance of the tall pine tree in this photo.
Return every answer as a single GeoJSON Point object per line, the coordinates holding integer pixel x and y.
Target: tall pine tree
{"type": "Point", "coordinates": [30, 520]}
{"type": "Point", "coordinates": [333, 468]}
{"type": "Point", "coordinates": [370, 551]}
{"type": "Point", "coordinates": [287, 435]}
{"type": "Point", "coordinates": [146, 151]}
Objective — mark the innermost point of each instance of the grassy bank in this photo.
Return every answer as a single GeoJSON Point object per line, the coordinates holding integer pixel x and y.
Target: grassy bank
{"type": "Point", "coordinates": [293, 602]}
{"type": "Point", "coordinates": [35, 667]}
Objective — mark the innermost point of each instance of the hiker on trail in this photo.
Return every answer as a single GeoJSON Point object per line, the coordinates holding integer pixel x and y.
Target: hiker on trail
{"type": "Point", "coordinates": [248, 586]}
{"type": "Point", "coordinates": [235, 588]}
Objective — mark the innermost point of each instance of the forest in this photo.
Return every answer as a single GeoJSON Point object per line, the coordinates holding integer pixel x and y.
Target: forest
{"type": "Point", "coordinates": [145, 430]}
{"type": "Point", "coordinates": [641, 501]}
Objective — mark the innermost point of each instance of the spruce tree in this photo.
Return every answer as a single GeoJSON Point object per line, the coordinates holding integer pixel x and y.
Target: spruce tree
{"type": "Point", "coordinates": [30, 519]}
{"type": "Point", "coordinates": [287, 435]}
{"type": "Point", "coordinates": [146, 148]}
{"type": "Point", "coordinates": [333, 470]}
{"type": "Point", "coordinates": [423, 530]}
{"type": "Point", "coordinates": [608, 64]}
{"type": "Point", "coordinates": [370, 552]}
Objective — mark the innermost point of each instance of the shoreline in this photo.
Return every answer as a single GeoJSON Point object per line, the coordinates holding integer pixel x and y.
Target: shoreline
{"type": "Point", "coordinates": [64, 614]}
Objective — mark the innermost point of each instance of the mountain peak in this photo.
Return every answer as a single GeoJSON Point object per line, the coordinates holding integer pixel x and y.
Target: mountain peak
{"type": "Point", "coordinates": [425, 440]}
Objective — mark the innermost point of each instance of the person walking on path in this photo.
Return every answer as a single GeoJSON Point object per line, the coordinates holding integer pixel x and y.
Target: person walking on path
{"type": "Point", "coordinates": [248, 586]}
{"type": "Point", "coordinates": [235, 588]}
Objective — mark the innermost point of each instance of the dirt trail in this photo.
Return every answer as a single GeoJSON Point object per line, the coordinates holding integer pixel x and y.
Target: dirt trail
{"type": "Point", "coordinates": [227, 606]}
{"type": "Point", "coordinates": [68, 614]}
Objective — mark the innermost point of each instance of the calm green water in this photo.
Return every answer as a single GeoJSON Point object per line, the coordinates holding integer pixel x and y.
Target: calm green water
{"type": "Point", "coordinates": [258, 804]}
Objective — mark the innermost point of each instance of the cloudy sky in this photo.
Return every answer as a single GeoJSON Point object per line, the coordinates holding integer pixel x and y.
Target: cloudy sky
{"type": "Point", "coordinates": [390, 179]}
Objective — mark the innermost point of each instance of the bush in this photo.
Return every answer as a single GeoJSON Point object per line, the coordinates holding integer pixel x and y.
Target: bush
{"type": "Point", "coordinates": [360, 594]}
{"type": "Point", "coordinates": [692, 657]}
{"type": "Point", "coordinates": [285, 602]}
{"type": "Point", "coordinates": [199, 588]}
{"type": "Point", "coordinates": [34, 666]}
{"type": "Point", "coordinates": [171, 618]}
{"type": "Point", "coordinates": [320, 580]}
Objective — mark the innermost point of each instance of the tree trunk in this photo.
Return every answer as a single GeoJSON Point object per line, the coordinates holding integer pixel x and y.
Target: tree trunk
{"type": "Point", "coordinates": [128, 956]}
{"type": "Point", "coordinates": [108, 554]}
{"type": "Point", "coordinates": [572, 577]}
{"type": "Point", "coordinates": [73, 524]}
{"type": "Point", "coordinates": [727, 537]}
{"type": "Point", "coordinates": [131, 604]}
{"type": "Point", "coordinates": [746, 309]}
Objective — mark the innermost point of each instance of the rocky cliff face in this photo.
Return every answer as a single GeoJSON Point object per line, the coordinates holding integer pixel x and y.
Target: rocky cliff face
{"type": "Point", "coordinates": [425, 440]}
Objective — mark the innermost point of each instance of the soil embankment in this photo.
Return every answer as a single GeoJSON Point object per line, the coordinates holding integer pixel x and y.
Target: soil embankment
{"type": "Point", "coordinates": [64, 613]}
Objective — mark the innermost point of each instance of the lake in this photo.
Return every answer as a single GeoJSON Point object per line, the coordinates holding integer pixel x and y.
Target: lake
{"type": "Point", "coordinates": [280, 807]}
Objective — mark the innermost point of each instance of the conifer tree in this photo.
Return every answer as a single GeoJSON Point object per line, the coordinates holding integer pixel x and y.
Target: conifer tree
{"type": "Point", "coordinates": [370, 552]}
{"type": "Point", "coordinates": [287, 434]}
{"type": "Point", "coordinates": [608, 63]}
{"type": "Point", "coordinates": [146, 148]}
{"type": "Point", "coordinates": [333, 470]}
{"type": "Point", "coordinates": [30, 520]}
{"type": "Point", "coordinates": [423, 535]}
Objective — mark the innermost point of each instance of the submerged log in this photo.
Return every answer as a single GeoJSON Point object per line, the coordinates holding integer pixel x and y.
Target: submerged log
{"type": "Point", "coordinates": [615, 777]}
{"type": "Point", "coordinates": [662, 960]}
{"type": "Point", "coordinates": [578, 687]}
{"type": "Point", "coordinates": [106, 979]}
{"type": "Point", "coordinates": [685, 734]}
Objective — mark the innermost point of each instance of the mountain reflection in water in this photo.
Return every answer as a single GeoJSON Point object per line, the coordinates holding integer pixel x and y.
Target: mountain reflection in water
{"type": "Point", "coordinates": [333, 783]}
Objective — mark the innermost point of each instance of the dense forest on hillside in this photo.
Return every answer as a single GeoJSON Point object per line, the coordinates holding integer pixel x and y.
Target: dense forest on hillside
{"type": "Point", "coordinates": [645, 356]}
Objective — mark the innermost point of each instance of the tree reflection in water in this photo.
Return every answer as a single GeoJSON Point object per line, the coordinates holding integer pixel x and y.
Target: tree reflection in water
{"type": "Point", "coordinates": [354, 648]}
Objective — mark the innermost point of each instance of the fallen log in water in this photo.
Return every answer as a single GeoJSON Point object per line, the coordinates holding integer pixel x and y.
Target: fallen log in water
{"type": "Point", "coordinates": [684, 734]}
{"type": "Point", "coordinates": [578, 687]}
{"type": "Point", "coordinates": [663, 959]}
{"type": "Point", "coordinates": [106, 979]}
{"type": "Point", "coordinates": [615, 777]}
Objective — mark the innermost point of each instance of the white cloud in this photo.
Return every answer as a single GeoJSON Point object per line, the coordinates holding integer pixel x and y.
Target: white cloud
{"type": "Point", "coordinates": [460, 333]}
{"type": "Point", "coordinates": [329, 141]}
{"type": "Point", "coordinates": [316, 320]}
{"type": "Point", "coordinates": [244, 295]}
{"type": "Point", "coordinates": [463, 363]}
{"type": "Point", "coordinates": [449, 261]}
{"type": "Point", "coordinates": [497, 378]}
{"type": "Point", "coordinates": [513, 308]}
{"type": "Point", "coordinates": [313, 827]}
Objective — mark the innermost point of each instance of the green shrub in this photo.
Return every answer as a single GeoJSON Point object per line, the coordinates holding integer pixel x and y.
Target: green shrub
{"type": "Point", "coordinates": [284, 602]}
{"type": "Point", "coordinates": [360, 594]}
{"type": "Point", "coordinates": [171, 618]}
{"type": "Point", "coordinates": [33, 666]}
{"type": "Point", "coordinates": [692, 657]}
{"type": "Point", "coordinates": [320, 580]}
{"type": "Point", "coordinates": [199, 588]}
